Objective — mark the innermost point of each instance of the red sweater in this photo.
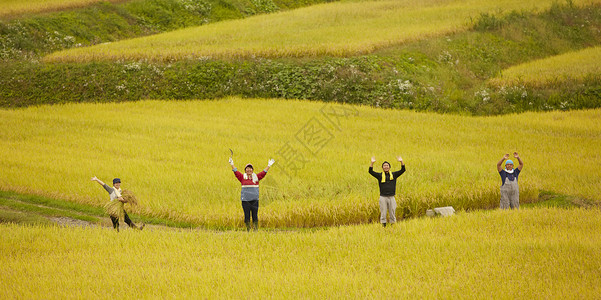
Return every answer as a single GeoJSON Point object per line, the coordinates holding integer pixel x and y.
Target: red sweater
{"type": "Point", "coordinates": [249, 181]}
{"type": "Point", "coordinates": [250, 189]}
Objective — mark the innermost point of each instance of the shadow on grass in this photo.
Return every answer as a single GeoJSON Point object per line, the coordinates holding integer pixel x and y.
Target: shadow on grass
{"type": "Point", "coordinates": [549, 199]}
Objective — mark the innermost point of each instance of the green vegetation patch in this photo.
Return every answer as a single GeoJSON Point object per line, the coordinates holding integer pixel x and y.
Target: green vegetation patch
{"type": "Point", "coordinates": [33, 209]}
{"type": "Point", "coordinates": [20, 217]}
{"type": "Point", "coordinates": [550, 199]}
{"type": "Point", "coordinates": [445, 74]}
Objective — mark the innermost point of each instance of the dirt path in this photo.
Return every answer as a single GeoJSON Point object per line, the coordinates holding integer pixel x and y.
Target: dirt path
{"type": "Point", "coordinates": [70, 222]}
{"type": "Point", "coordinates": [66, 221]}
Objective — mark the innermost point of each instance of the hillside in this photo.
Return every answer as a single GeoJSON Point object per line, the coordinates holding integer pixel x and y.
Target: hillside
{"type": "Point", "coordinates": [448, 85]}
{"type": "Point", "coordinates": [580, 66]}
{"type": "Point", "coordinates": [345, 28]}
{"type": "Point", "coordinates": [444, 74]}
{"type": "Point", "coordinates": [31, 29]}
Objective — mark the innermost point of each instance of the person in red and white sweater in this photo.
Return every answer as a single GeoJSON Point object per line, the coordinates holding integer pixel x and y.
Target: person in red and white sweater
{"type": "Point", "coordinates": [250, 191]}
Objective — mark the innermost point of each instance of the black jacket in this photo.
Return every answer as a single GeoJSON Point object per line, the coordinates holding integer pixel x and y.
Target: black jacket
{"type": "Point", "coordinates": [387, 188]}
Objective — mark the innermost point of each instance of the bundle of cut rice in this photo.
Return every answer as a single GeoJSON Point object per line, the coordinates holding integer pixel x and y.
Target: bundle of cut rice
{"type": "Point", "coordinates": [114, 208]}
{"type": "Point", "coordinates": [129, 197]}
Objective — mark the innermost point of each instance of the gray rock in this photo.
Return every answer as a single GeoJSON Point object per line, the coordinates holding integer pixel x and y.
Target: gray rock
{"type": "Point", "coordinates": [445, 211]}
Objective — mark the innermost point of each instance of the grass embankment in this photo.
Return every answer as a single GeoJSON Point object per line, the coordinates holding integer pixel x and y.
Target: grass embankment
{"type": "Point", "coordinates": [557, 70]}
{"type": "Point", "coordinates": [32, 209]}
{"type": "Point", "coordinates": [19, 216]}
{"type": "Point", "coordinates": [445, 74]}
{"type": "Point", "coordinates": [12, 8]}
{"type": "Point", "coordinates": [36, 210]}
{"type": "Point", "coordinates": [526, 254]}
{"type": "Point", "coordinates": [177, 164]}
{"type": "Point", "coordinates": [30, 36]}
{"type": "Point", "coordinates": [336, 29]}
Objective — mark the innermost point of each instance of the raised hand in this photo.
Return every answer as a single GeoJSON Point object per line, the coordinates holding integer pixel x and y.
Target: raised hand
{"type": "Point", "coordinates": [373, 159]}
{"type": "Point", "coordinates": [506, 156]}
{"type": "Point", "coordinates": [97, 180]}
{"type": "Point", "coordinates": [270, 162]}
{"type": "Point", "coordinates": [515, 154]}
{"type": "Point", "coordinates": [231, 161]}
{"type": "Point", "coordinates": [399, 158]}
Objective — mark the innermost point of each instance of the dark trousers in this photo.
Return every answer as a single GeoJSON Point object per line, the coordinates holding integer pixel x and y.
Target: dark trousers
{"type": "Point", "coordinates": [250, 208]}
{"type": "Point", "coordinates": [125, 217]}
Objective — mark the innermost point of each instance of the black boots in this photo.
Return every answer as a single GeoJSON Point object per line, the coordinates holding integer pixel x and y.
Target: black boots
{"type": "Point", "coordinates": [255, 225]}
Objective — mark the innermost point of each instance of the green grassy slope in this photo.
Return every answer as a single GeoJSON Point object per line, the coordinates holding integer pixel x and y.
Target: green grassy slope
{"type": "Point", "coordinates": [29, 36]}
{"type": "Point", "coordinates": [447, 74]}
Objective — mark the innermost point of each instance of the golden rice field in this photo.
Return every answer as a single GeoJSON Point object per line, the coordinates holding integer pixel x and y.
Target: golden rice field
{"type": "Point", "coordinates": [527, 254]}
{"type": "Point", "coordinates": [568, 67]}
{"type": "Point", "coordinates": [17, 7]}
{"type": "Point", "coordinates": [338, 29]}
{"type": "Point", "coordinates": [173, 155]}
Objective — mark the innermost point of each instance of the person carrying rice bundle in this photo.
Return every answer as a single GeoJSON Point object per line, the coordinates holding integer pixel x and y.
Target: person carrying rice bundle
{"type": "Point", "coordinates": [115, 207]}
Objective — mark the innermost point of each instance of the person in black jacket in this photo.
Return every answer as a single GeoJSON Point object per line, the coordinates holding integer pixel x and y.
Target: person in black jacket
{"type": "Point", "coordinates": [387, 182]}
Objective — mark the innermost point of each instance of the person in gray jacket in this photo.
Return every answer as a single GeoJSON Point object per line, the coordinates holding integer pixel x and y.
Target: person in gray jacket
{"type": "Point", "coordinates": [114, 208]}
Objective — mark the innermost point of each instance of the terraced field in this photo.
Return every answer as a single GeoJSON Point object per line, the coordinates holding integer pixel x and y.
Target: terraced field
{"type": "Point", "coordinates": [556, 70]}
{"type": "Point", "coordinates": [177, 163]}
{"type": "Point", "coordinates": [342, 28]}
{"type": "Point", "coordinates": [8, 8]}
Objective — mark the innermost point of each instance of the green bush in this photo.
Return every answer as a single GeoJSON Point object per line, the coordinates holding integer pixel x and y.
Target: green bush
{"type": "Point", "coordinates": [264, 6]}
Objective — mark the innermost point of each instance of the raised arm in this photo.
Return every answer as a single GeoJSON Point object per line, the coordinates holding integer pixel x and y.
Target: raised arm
{"type": "Point", "coordinates": [98, 180]}
{"type": "Point", "coordinates": [237, 173]}
{"type": "Point", "coordinates": [402, 170]}
{"type": "Point", "coordinates": [106, 187]}
{"type": "Point", "coordinates": [500, 163]}
{"type": "Point", "coordinates": [371, 169]}
{"type": "Point", "coordinates": [515, 154]}
{"type": "Point", "coordinates": [269, 164]}
{"type": "Point", "coordinates": [232, 163]}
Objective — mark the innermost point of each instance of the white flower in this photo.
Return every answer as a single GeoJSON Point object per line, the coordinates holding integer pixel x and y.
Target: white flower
{"type": "Point", "coordinates": [406, 87]}
{"type": "Point", "coordinates": [484, 95]}
{"type": "Point", "coordinates": [134, 66]}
